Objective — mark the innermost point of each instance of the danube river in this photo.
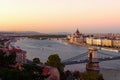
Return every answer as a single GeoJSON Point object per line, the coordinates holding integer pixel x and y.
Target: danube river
{"type": "Point", "coordinates": [43, 48]}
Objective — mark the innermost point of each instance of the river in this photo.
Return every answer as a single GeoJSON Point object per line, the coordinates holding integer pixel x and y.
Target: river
{"type": "Point", "coordinates": [43, 48]}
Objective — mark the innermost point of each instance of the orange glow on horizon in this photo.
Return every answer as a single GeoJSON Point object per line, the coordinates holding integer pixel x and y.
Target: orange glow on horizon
{"type": "Point", "coordinates": [58, 16]}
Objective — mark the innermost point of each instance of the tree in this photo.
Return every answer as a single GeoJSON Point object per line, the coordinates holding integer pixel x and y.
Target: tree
{"type": "Point", "coordinates": [7, 60]}
{"type": "Point", "coordinates": [36, 60]}
{"type": "Point", "coordinates": [34, 71]}
{"type": "Point", "coordinates": [1, 43]}
{"type": "Point", "coordinates": [55, 61]}
{"type": "Point", "coordinates": [76, 74]}
{"type": "Point", "coordinates": [29, 71]}
{"type": "Point", "coordinates": [14, 74]}
{"type": "Point", "coordinates": [91, 76]}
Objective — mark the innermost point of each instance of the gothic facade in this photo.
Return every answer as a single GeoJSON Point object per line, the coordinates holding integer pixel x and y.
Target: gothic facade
{"type": "Point", "coordinates": [77, 37]}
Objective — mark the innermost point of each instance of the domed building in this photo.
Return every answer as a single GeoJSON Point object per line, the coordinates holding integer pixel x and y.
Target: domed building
{"type": "Point", "coordinates": [77, 37]}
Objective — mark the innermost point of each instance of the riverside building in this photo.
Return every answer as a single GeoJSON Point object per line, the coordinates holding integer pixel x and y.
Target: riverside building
{"type": "Point", "coordinates": [103, 40]}
{"type": "Point", "coordinates": [76, 37]}
{"type": "Point", "coordinates": [89, 41]}
{"type": "Point", "coordinates": [20, 55]}
{"type": "Point", "coordinates": [97, 42]}
{"type": "Point", "coordinates": [116, 43]}
{"type": "Point", "coordinates": [107, 42]}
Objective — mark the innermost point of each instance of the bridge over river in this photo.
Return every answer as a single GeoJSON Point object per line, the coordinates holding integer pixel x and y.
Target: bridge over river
{"type": "Point", "coordinates": [83, 57]}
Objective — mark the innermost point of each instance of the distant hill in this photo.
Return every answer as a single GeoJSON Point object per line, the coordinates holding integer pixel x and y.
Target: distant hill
{"type": "Point", "coordinates": [60, 33]}
{"type": "Point", "coordinates": [13, 33]}
{"type": "Point", "coordinates": [30, 32]}
{"type": "Point", "coordinates": [25, 33]}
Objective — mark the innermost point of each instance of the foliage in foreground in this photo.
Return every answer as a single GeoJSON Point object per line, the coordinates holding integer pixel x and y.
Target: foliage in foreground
{"type": "Point", "coordinates": [76, 75]}
{"type": "Point", "coordinates": [33, 72]}
{"type": "Point", "coordinates": [91, 76]}
{"type": "Point", "coordinates": [55, 61]}
{"type": "Point", "coordinates": [29, 72]}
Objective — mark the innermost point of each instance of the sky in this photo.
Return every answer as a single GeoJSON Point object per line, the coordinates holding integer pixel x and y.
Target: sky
{"type": "Point", "coordinates": [51, 16]}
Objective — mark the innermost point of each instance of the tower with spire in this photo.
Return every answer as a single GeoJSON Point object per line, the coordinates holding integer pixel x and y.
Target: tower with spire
{"type": "Point", "coordinates": [77, 37]}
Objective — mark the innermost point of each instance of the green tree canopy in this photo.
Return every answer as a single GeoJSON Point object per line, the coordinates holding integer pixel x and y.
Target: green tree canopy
{"type": "Point", "coordinates": [91, 76]}
{"type": "Point", "coordinates": [55, 61]}
{"type": "Point", "coordinates": [7, 59]}
{"type": "Point", "coordinates": [53, 58]}
{"type": "Point", "coordinates": [36, 60]}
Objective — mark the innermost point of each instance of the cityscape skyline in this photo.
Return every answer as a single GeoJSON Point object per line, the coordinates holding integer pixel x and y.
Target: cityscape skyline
{"type": "Point", "coordinates": [52, 16]}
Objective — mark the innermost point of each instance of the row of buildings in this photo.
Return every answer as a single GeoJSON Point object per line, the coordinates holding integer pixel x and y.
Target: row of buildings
{"type": "Point", "coordinates": [105, 41]}
{"type": "Point", "coordinates": [20, 54]}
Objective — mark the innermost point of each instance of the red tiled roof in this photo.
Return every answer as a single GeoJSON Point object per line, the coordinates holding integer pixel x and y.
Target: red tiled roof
{"type": "Point", "coordinates": [4, 49]}
{"type": "Point", "coordinates": [46, 71]}
{"type": "Point", "coordinates": [16, 50]}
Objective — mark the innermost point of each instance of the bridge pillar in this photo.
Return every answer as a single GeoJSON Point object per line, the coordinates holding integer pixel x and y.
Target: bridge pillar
{"type": "Point", "coordinates": [93, 63]}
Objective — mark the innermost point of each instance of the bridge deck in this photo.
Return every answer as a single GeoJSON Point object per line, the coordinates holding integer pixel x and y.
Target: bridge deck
{"type": "Point", "coordinates": [74, 60]}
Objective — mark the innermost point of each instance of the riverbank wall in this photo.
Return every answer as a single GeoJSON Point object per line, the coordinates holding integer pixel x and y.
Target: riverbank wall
{"type": "Point", "coordinates": [87, 45]}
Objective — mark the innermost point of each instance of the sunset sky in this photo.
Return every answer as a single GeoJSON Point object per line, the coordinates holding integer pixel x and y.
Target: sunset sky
{"type": "Point", "coordinates": [51, 16]}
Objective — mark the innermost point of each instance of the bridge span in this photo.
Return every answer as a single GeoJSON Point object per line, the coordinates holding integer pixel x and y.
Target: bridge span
{"type": "Point", "coordinates": [83, 57]}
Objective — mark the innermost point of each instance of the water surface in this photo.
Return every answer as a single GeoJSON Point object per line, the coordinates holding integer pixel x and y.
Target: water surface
{"type": "Point", "coordinates": [43, 48]}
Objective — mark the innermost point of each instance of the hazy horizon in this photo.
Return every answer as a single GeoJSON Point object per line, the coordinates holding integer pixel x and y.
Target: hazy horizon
{"type": "Point", "coordinates": [52, 16]}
